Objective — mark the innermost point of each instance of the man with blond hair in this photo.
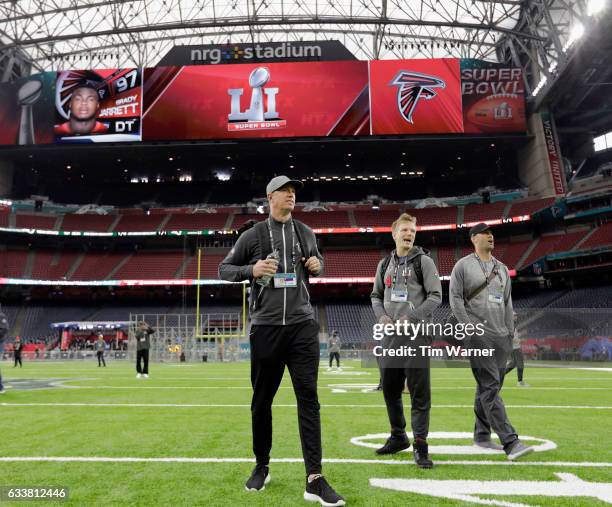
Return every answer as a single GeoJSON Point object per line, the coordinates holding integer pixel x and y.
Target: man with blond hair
{"type": "Point", "coordinates": [406, 288]}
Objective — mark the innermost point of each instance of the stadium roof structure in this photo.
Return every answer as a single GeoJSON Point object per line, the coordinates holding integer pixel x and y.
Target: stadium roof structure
{"type": "Point", "coordinates": [38, 35]}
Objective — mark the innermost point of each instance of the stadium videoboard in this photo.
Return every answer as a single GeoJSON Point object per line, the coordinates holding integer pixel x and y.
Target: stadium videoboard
{"type": "Point", "coordinates": [272, 100]}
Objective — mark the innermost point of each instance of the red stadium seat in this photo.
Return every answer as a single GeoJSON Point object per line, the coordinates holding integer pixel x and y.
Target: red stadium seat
{"type": "Point", "coordinates": [139, 223]}
{"type": "Point", "coordinates": [151, 265]}
{"type": "Point", "coordinates": [483, 212]}
{"type": "Point", "coordinates": [90, 222]}
{"type": "Point", "coordinates": [601, 237]}
{"type": "Point", "coordinates": [196, 221]}
{"type": "Point", "coordinates": [26, 221]}
{"type": "Point", "coordinates": [554, 243]}
{"type": "Point", "coordinates": [529, 207]}
{"type": "Point", "coordinates": [13, 263]}
{"type": "Point", "coordinates": [352, 262]}
{"type": "Point", "coordinates": [97, 266]}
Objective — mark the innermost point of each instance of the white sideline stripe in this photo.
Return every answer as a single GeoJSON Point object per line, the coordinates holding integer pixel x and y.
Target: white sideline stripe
{"type": "Point", "coordinates": [591, 368]}
{"type": "Point", "coordinates": [61, 384]}
{"type": "Point", "coordinates": [284, 405]}
{"type": "Point", "coordinates": [130, 459]}
{"type": "Point", "coordinates": [471, 388]}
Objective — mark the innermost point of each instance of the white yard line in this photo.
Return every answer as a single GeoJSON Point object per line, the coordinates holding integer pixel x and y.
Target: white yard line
{"type": "Point", "coordinates": [131, 459]}
{"type": "Point", "coordinates": [282, 405]}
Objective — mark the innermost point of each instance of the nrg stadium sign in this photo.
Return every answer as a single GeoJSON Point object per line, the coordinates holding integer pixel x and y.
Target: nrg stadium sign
{"type": "Point", "coordinates": [212, 54]}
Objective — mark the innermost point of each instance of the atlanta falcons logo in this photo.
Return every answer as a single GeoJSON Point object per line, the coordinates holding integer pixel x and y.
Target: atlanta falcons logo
{"type": "Point", "coordinates": [413, 87]}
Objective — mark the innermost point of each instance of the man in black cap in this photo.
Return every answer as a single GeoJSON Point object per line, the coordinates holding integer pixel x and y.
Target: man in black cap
{"type": "Point", "coordinates": [481, 294]}
{"type": "Point", "coordinates": [277, 256]}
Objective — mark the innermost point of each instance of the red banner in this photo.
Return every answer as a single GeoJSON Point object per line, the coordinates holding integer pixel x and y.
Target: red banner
{"type": "Point", "coordinates": [415, 97]}
{"type": "Point", "coordinates": [255, 100]}
{"type": "Point", "coordinates": [555, 161]}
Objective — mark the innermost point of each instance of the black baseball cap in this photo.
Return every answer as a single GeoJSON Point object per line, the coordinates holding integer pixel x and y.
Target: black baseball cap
{"type": "Point", "coordinates": [478, 228]}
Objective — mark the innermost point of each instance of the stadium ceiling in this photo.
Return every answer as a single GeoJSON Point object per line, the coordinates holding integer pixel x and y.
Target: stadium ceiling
{"type": "Point", "coordinates": [53, 34]}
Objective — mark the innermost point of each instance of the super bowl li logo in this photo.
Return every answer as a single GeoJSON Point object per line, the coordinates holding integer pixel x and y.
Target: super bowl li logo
{"type": "Point", "coordinates": [412, 87]}
{"type": "Point", "coordinates": [256, 117]}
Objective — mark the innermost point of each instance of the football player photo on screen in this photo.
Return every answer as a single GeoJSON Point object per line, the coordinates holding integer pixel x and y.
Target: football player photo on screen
{"type": "Point", "coordinates": [84, 109]}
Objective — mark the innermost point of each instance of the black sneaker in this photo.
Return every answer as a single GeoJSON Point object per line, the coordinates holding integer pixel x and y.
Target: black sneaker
{"type": "Point", "coordinates": [393, 445]}
{"type": "Point", "coordinates": [421, 454]}
{"type": "Point", "coordinates": [320, 491]}
{"type": "Point", "coordinates": [259, 478]}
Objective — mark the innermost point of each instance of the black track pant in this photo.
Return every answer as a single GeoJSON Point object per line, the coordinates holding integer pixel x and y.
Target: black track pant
{"type": "Point", "coordinates": [272, 348]}
{"type": "Point", "coordinates": [419, 385]}
{"type": "Point", "coordinates": [18, 360]}
{"type": "Point", "coordinates": [144, 356]}
{"type": "Point", "coordinates": [101, 358]}
{"type": "Point", "coordinates": [335, 355]}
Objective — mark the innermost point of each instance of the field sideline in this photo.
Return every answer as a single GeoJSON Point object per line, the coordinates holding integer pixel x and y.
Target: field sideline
{"type": "Point", "coordinates": [183, 436]}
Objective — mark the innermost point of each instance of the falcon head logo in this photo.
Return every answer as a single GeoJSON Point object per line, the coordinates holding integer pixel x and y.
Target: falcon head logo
{"type": "Point", "coordinates": [413, 87]}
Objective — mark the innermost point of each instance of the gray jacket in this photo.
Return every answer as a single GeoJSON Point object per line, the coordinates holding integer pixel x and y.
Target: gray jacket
{"type": "Point", "coordinates": [422, 299]}
{"type": "Point", "coordinates": [269, 306]}
{"type": "Point", "coordinates": [143, 338]}
{"type": "Point", "coordinates": [334, 344]}
{"type": "Point", "coordinates": [496, 317]}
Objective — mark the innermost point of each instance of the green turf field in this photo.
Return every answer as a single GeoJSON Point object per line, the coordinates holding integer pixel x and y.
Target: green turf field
{"type": "Point", "coordinates": [202, 412]}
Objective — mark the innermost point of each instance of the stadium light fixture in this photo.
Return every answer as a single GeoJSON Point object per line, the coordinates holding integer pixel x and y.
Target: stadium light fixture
{"type": "Point", "coordinates": [576, 33]}
{"type": "Point", "coordinates": [595, 7]}
{"type": "Point", "coordinates": [603, 142]}
{"type": "Point", "coordinates": [538, 88]}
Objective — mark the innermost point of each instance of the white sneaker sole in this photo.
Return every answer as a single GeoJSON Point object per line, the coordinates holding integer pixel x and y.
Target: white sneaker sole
{"type": "Point", "coordinates": [266, 481]}
{"type": "Point", "coordinates": [520, 454]}
{"type": "Point", "coordinates": [311, 497]}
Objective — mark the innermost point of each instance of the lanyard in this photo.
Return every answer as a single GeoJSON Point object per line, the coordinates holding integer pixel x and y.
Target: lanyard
{"type": "Point", "coordinates": [292, 241]}
{"type": "Point", "coordinates": [484, 269]}
{"type": "Point", "coordinates": [404, 274]}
